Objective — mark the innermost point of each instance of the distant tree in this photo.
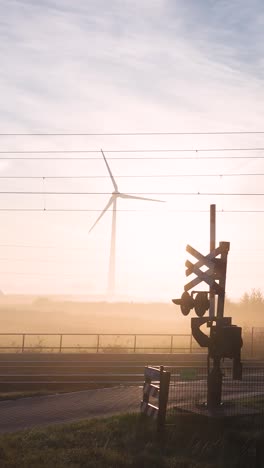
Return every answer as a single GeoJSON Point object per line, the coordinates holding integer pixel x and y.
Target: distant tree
{"type": "Point", "coordinates": [254, 298]}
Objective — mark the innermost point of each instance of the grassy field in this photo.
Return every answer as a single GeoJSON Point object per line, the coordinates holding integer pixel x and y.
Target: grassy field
{"type": "Point", "coordinates": [25, 314]}
{"type": "Point", "coordinates": [131, 441]}
{"type": "Point", "coordinates": [51, 316]}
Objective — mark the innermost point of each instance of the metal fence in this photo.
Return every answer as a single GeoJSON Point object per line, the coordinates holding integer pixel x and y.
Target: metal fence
{"type": "Point", "coordinates": [97, 343]}
{"type": "Point", "coordinates": [253, 340]}
{"type": "Point", "coordinates": [188, 392]}
{"type": "Point", "coordinates": [232, 435]}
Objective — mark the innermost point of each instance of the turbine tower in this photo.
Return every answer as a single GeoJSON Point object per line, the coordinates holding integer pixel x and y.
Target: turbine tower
{"type": "Point", "coordinates": [112, 202]}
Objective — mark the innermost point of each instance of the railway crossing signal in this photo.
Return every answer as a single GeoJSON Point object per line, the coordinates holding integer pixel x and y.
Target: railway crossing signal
{"type": "Point", "coordinates": [214, 276]}
{"type": "Point", "coordinates": [224, 340]}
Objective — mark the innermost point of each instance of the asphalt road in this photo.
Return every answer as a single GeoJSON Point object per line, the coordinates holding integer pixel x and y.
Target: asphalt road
{"type": "Point", "coordinates": [27, 413]}
{"type": "Point", "coordinates": [188, 386]}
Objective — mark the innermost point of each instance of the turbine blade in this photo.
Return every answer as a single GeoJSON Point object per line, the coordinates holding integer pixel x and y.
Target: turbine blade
{"type": "Point", "coordinates": [102, 214]}
{"type": "Point", "coordinates": [132, 197]}
{"type": "Point", "coordinates": [110, 173]}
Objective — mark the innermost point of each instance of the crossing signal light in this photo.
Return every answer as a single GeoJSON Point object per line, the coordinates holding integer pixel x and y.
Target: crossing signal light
{"type": "Point", "coordinates": [187, 302]}
{"type": "Point", "coordinates": [201, 303]}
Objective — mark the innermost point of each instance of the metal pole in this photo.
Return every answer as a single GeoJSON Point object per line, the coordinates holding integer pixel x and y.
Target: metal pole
{"type": "Point", "coordinates": [23, 343]}
{"type": "Point", "coordinates": [135, 343]}
{"type": "Point", "coordinates": [252, 342]}
{"type": "Point", "coordinates": [214, 375]}
{"type": "Point", "coordinates": [212, 247]}
{"type": "Point", "coordinates": [191, 343]}
{"type": "Point", "coordinates": [60, 343]}
{"type": "Point", "coordinates": [222, 282]}
{"type": "Point", "coordinates": [211, 292]}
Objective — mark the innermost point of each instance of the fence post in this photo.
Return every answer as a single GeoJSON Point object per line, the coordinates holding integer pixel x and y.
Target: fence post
{"type": "Point", "coordinates": [191, 343]}
{"type": "Point", "coordinates": [98, 340]}
{"type": "Point", "coordinates": [171, 345]}
{"type": "Point", "coordinates": [61, 342]}
{"type": "Point", "coordinates": [135, 343]}
{"type": "Point", "coordinates": [252, 341]}
{"type": "Point", "coordinates": [23, 343]}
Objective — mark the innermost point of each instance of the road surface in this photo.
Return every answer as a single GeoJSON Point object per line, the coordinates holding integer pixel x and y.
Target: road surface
{"type": "Point", "coordinates": [27, 413]}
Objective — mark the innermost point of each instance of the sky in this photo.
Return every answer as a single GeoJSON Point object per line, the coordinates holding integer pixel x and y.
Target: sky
{"type": "Point", "coordinates": [119, 66]}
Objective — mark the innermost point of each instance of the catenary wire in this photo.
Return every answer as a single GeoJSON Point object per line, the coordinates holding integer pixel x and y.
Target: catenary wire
{"type": "Point", "coordinates": [129, 158]}
{"type": "Point", "coordinates": [196, 151]}
{"type": "Point", "coordinates": [58, 210]}
{"type": "Point", "coordinates": [136, 176]}
{"type": "Point", "coordinates": [60, 247]}
{"type": "Point", "coordinates": [145, 150]}
{"type": "Point", "coordinates": [20, 273]}
{"type": "Point", "coordinates": [47, 134]}
{"type": "Point", "coordinates": [219, 194]}
{"type": "Point", "coordinates": [26, 246]}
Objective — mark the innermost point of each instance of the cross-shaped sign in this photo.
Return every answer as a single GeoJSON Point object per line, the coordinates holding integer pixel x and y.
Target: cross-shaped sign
{"type": "Point", "coordinates": [214, 271]}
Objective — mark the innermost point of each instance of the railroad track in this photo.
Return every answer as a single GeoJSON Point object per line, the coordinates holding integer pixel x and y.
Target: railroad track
{"type": "Point", "coordinates": [28, 371]}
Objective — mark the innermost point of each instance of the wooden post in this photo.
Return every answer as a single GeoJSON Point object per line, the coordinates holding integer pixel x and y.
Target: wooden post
{"type": "Point", "coordinates": [212, 247]}
{"type": "Point", "coordinates": [163, 397]}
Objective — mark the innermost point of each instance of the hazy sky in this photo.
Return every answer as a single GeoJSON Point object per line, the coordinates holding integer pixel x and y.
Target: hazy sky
{"type": "Point", "coordinates": [102, 66]}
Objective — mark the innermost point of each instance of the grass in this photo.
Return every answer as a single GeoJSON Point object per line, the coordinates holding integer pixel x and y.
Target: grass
{"type": "Point", "coordinates": [129, 441]}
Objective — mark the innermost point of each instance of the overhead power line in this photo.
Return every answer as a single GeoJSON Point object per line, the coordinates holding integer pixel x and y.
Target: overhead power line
{"type": "Point", "coordinates": [43, 246]}
{"type": "Point", "coordinates": [71, 210]}
{"type": "Point", "coordinates": [44, 260]}
{"type": "Point", "coordinates": [177, 150]}
{"type": "Point", "coordinates": [144, 150]}
{"type": "Point", "coordinates": [232, 132]}
{"type": "Point", "coordinates": [220, 194]}
{"type": "Point", "coordinates": [160, 158]}
{"type": "Point", "coordinates": [135, 176]}
{"type": "Point", "coordinates": [84, 210]}
{"type": "Point", "coordinates": [44, 275]}
{"type": "Point", "coordinates": [188, 158]}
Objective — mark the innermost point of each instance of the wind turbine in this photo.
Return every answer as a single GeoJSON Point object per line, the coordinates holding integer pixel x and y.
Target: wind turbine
{"type": "Point", "coordinates": [112, 202]}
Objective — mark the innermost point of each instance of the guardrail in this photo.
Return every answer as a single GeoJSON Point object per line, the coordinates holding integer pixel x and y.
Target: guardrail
{"type": "Point", "coordinates": [98, 342]}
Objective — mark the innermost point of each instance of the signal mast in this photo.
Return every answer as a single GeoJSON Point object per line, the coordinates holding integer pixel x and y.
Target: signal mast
{"type": "Point", "coordinates": [224, 339]}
